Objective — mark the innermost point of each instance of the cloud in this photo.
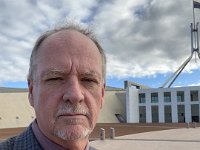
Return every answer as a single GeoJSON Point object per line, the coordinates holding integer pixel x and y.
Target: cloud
{"type": "Point", "coordinates": [195, 84]}
{"type": "Point", "coordinates": [142, 38]}
{"type": "Point", "coordinates": [22, 22]}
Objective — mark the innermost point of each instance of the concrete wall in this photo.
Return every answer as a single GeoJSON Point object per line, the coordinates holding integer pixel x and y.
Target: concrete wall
{"type": "Point", "coordinates": [132, 107]}
{"type": "Point", "coordinates": [15, 110]}
{"type": "Point", "coordinates": [114, 104]}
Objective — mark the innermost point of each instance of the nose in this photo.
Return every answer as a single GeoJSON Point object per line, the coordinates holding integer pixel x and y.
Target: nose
{"type": "Point", "coordinates": [73, 92]}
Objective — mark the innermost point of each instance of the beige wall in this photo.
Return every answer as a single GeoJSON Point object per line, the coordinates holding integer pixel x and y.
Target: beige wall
{"type": "Point", "coordinates": [114, 104]}
{"type": "Point", "coordinates": [13, 106]}
{"type": "Point", "coordinates": [15, 110]}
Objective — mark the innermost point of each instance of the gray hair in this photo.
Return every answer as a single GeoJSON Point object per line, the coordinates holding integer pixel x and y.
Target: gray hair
{"type": "Point", "coordinates": [65, 26]}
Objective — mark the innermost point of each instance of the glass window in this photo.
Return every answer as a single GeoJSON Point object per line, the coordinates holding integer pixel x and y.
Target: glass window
{"type": "Point", "coordinates": [180, 96]}
{"type": "Point", "coordinates": [142, 111]}
{"type": "Point", "coordinates": [194, 95]}
{"type": "Point", "coordinates": [120, 118]}
{"type": "Point", "coordinates": [154, 97]}
{"type": "Point", "coordinates": [167, 97]}
{"type": "Point", "coordinates": [142, 98]}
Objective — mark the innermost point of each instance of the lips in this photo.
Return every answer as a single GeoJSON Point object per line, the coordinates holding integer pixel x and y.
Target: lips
{"type": "Point", "coordinates": [71, 115]}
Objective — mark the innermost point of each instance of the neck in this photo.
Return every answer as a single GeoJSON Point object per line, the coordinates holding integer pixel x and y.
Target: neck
{"type": "Point", "coordinates": [73, 144]}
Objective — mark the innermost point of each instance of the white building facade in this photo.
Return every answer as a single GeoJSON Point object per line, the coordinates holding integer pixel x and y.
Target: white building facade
{"type": "Point", "coordinates": [163, 105]}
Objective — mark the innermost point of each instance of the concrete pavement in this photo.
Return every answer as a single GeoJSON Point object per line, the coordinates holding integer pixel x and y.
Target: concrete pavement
{"type": "Point", "coordinates": [174, 139]}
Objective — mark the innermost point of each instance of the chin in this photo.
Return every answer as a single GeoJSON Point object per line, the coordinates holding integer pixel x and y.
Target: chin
{"type": "Point", "coordinates": [72, 132]}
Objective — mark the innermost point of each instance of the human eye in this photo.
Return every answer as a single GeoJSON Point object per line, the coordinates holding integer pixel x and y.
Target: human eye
{"type": "Point", "coordinates": [90, 80]}
{"type": "Point", "coordinates": [52, 79]}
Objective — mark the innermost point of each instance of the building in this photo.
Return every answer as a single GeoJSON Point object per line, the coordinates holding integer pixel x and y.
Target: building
{"type": "Point", "coordinates": [163, 105]}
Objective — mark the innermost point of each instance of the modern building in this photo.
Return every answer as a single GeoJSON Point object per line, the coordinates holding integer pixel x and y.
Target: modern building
{"type": "Point", "coordinates": [163, 105]}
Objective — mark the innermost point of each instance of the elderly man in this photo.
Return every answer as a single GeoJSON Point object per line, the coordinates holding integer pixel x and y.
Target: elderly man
{"type": "Point", "coordinates": [66, 85]}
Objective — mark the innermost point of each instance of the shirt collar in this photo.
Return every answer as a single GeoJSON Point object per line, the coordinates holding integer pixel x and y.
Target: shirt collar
{"type": "Point", "coordinates": [44, 141]}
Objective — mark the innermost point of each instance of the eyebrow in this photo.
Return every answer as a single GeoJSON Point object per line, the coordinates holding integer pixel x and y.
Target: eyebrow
{"type": "Point", "coordinates": [55, 71]}
{"type": "Point", "coordinates": [92, 74]}
{"type": "Point", "coordinates": [52, 71]}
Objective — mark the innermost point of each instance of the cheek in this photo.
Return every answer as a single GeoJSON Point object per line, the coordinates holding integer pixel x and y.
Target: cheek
{"type": "Point", "coordinates": [47, 102]}
{"type": "Point", "coordinates": [94, 102]}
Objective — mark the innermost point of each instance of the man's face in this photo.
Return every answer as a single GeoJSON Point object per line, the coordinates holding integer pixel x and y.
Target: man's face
{"type": "Point", "coordinates": [68, 89]}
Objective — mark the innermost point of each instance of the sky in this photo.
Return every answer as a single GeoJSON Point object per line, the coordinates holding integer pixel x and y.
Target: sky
{"type": "Point", "coordinates": [145, 41]}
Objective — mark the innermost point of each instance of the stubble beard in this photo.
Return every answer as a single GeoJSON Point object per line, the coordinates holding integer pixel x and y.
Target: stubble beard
{"type": "Point", "coordinates": [72, 128]}
{"type": "Point", "coordinates": [72, 134]}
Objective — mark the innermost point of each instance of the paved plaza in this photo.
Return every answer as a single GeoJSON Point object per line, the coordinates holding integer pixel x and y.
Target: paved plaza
{"type": "Point", "coordinates": [174, 139]}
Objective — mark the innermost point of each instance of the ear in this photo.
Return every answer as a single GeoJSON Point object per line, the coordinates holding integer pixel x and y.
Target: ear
{"type": "Point", "coordinates": [103, 95]}
{"type": "Point", "coordinates": [30, 92]}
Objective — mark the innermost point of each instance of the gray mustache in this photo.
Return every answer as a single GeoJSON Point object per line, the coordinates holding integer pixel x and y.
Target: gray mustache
{"type": "Point", "coordinates": [73, 109]}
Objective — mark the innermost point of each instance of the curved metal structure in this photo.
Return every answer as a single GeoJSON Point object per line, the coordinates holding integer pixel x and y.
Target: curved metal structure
{"type": "Point", "coordinates": [194, 49]}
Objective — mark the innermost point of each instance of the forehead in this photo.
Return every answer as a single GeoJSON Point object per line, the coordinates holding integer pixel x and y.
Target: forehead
{"type": "Point", "coordinates": [69, 39]}
{"type": "Point", "coordinates": [68, 47]}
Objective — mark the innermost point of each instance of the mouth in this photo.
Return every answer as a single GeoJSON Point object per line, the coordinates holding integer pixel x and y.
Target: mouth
{"type": "Point", "coordinates": [72, 115]}
{"type": "Point", "coordinates": [73, 119]}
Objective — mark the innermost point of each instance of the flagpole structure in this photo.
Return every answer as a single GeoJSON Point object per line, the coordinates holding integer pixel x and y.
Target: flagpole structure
{"type": "Point", "coordinates": [193, 14]}
{"type": "Point", "coordinates": [194, 49]}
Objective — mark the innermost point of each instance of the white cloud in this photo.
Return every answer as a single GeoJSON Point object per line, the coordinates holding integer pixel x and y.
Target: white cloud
{"type": "Point", "coordinates": [141, 37]}
{"type": "Point", "coordinates": [22, 22]}
{"type": "Point", "coordinates": [195, 84]}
